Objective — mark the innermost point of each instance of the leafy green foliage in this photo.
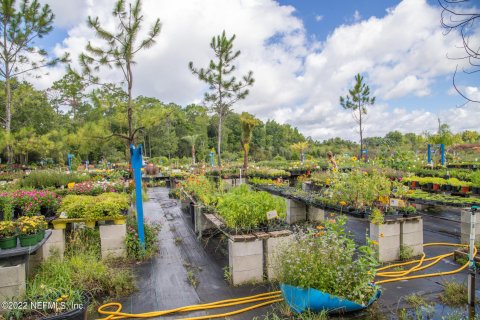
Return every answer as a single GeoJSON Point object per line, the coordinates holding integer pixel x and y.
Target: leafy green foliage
{"type": "Point", "coordinates": [41, 179]}
{"type": "Point", "coordinates": [359, 188]}
{"type": "Point", "coordinates": [329, 261]}
{"type": "Point", "coordinates": [95, 207]}
{"type": "Point", "coordinates": [243, 209]}
{"type": "Point", "coordinates": [132, 242]}
{"type": "Point", "coordinates": [377, 217]}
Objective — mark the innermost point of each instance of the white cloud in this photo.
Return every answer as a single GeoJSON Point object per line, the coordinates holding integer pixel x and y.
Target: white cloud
{"type": "Point", "coordinates": [298, 80]}
{"type": "Point", "coordinates": [357, 16]}
{"type": "Point", "coordinates": [318, 18]}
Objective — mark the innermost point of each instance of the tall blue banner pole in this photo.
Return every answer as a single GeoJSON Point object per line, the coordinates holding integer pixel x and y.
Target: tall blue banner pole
{"type": "Point", "coordinates": [70, 156]}
{"type": "Point", "coordinates": [137, 163]}
{"type": "Point", "coordinates": [429, 155]}
{"type": "Point", "coordinates": [442, 151]}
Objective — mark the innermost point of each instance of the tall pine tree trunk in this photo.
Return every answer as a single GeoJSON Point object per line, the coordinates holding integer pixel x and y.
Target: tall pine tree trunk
{"type": "Point", "coordinates": [193, 153]}
{"type": "Point", "coordinates": [8, 118]}
{"type": "Point", "coordinates": [361, 133]}
{"type": "Point", "coordinates": [246, 148]}
{"type": "Point", "coordinates": [219, 145]}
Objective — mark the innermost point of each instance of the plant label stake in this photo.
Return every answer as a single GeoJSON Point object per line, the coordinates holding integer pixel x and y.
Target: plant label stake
{"type": "Point", "coordinates": [86, 165]}
{"type": "Point", "coordinates": [471, 276]}
{"type": "Point", "coordinates": [137, 163]}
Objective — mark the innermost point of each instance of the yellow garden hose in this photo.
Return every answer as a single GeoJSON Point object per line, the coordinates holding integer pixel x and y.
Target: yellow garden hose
{"type": "Point", "coordinates": [268, 298]}
{"type": "Point", "coordinates": [401, 275]}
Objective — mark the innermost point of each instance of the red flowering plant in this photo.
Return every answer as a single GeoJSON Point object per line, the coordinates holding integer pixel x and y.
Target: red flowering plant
{"type": "Point", "coordinates": [94, 188]}
{"type": "Point", "coordinates": [33, 202]}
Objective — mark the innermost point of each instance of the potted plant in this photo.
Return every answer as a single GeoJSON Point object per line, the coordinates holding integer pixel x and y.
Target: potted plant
{"type": "Point", "coordinates": [42, 226]}
{"type": "Point", "coordinates": [8, 234]}
{"type": "Point", "coordinates": [28, 228]}
{"type": "Point", "coordinates": [325, 270]}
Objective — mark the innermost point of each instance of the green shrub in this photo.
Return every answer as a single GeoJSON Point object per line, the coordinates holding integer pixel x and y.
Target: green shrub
{"type": "Point", "coordinates": [94, 207]}
{"type": "Point", "coordinates": [49, 178]}
{"type": "Point", "coordinates": [243, 209]}
{"type": "Point", "coordinates": [329, 261]}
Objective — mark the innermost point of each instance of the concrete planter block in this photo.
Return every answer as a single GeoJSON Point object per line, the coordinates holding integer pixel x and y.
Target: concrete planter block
{"type": "Point", "coordinates": [12, 281]}
{"type": "Point", "coordinates": [296, 211]}
{"type": "Point", "coordinates": [316, 214]}
{"type": "Point", "coordinates": [112, 240]}
{"type": "Point", "coordinates": [388, 237]}
{"type": "Point", "coordinates": [245, 259]}
{"type": "Point", "coordinates": [274, 246]}
{"type": "Point", "coordinates": [201, 223]}
{"type": "Point", "coordinates": [56, 242]}
{"type": "Point", "coordinates": [412, 234]}
{"type": "Point", "coordinates": [466, 218]}
{"type": "Point", "coordinates": [389, 228]}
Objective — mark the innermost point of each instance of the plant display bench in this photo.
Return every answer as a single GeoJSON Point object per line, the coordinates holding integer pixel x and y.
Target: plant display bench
{"type": "Point", "coordinates": [15, 265]}
{"type": "Point", "coordinates": [251, 257]}
{"type": "Point", "coordinates": [61, 224]}
{"type": "Point", "coordinates": [112, 236]}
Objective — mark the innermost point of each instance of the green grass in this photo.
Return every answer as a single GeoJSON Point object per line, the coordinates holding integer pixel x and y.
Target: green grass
{"type": "Point", "coordinates": [454, 294]}
{"type": "Point", "coordinates": [415, 300]}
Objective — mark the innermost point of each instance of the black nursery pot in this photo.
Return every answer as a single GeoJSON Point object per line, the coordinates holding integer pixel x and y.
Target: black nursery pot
{"type": "Point", "coordinates": [475, 190]}
{"type": "Point", "coordinates": [77, 314]}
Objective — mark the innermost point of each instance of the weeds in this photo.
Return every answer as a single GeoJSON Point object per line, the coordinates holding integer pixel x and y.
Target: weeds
{"type": "Point", "coordinates": [454, 294]}
{"type": "Point", "coordinates": [192, 272]}
{"type": "Point", "coordinates": [406, 252]}
{"type": "Point", "coordinates": [415, 300]}
{"type": "Point", "coordinates": [227, 275]}
{"type": "Point", "coordinates": [178, 241]}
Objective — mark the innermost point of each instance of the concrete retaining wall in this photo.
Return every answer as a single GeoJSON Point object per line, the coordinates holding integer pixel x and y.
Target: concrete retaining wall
{"type": "Point", "coordinates": [112, 239]}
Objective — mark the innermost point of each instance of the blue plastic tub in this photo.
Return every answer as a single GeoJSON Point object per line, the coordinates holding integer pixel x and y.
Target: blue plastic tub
{"type": "Point", "coordinates": [301, 300]}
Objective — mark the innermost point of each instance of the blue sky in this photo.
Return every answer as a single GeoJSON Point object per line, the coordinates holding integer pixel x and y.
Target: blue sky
{"type": "Point", "coordinates": [302, 60]}
{"type": "Point", "coordinates": [320, 18]}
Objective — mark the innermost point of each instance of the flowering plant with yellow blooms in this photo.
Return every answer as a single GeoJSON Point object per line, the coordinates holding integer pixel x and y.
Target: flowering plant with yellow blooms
{"type": "Point", "coordinates": [28, 225]}
{"type": "Point", "coordinates": [7, 229]}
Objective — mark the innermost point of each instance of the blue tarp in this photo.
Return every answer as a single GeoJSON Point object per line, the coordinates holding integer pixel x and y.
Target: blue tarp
{"type": "Point", "coordinates": [301, 300]}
